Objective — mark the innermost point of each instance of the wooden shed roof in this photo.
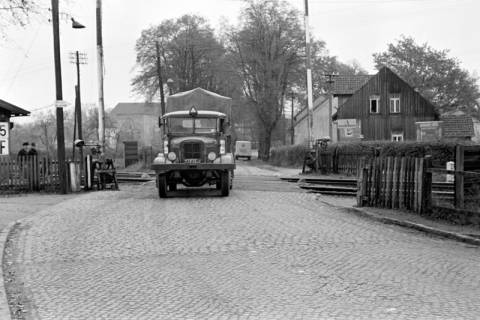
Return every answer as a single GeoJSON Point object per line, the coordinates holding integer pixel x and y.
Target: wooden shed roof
{"type": "Point", "coordinates": [12, 110]}
{"type": "Point", "coordinates": [349, 84]}
{"type": "Point", "coordinates": [457, 124]}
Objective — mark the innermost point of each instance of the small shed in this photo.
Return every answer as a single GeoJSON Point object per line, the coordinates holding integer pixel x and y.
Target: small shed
{"type": "Point", "coordinates": [457, 126]}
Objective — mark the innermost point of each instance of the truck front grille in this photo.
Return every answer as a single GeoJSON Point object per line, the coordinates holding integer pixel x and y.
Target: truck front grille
{"type": "Point", "coordinates": [192, 150]}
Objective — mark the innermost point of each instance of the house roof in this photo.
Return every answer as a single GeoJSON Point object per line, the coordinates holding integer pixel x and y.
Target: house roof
{"type": "Point", "coordinates": [457, 124]}
{"type": "Point", "coordinates": [200, 114]}
{"type": "Point", "coordinates": [198, 91]}
{"type": "Point", "coordinates": [348, 84]}
{"type": "Point", "coordinates": [135, 108]}
{"type": "Point", "coordinates": [13, 110]}
{"type": "Point", "coordinates": [317, 103]}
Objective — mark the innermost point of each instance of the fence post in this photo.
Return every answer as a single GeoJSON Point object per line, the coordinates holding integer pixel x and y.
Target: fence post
{"type": "Point", "coordinates": [388, 189]}
{"type": "Point", "coordinates": [427, 185]}
{"type": "Point", "coordinates": [401, 191]}
{"type": "Point", "coordinates": [459, 186]}
{"type": "Point", "coordinates": [418, 185]}
{"type": "Point", "coordinates": [362, 187]}
{"type": "Point", "coordinates": [396, 167]}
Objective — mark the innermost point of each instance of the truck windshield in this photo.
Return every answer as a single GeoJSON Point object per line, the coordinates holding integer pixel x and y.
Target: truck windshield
{"type": "Point", "coordinates": [186, 125]}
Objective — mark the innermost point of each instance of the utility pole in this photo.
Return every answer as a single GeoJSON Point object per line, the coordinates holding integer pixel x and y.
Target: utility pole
{"type": "Point", "coordinates": [330, 80]}
{"type": "Point", "coordinates": [59, 97]}
{"type": "Point", "coordinates": [309, 78]}
{"type": "Point", "coordinates": [78, 58]}
{"type": "Point", "coordinates": [101, 103]}
{"type": "Point", "coordinates": [292, 123]}
{"type": "Point", "coordinates": [160, 79]}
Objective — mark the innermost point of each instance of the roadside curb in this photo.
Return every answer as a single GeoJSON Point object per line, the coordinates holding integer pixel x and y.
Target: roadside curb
{"type": "Point", "coordinates": [408, 224]}
{"type": "Point", "coordinates": [4, 306]}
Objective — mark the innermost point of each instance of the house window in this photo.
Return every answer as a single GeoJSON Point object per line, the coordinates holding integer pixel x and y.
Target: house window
{"type": "Point", "coordinates": [374, 104]}
{"type": "Point", "coordinates": [395, 105]}
{"type": "Point", "coordinates": [397, 136]}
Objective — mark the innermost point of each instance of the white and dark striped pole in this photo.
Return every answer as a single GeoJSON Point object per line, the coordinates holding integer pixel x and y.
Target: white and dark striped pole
{"type": "Point", "coordinates": [309, 78]}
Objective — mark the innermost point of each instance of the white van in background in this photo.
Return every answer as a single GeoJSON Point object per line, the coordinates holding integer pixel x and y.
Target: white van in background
{"type": "Point", "coordinates": [243, 149]}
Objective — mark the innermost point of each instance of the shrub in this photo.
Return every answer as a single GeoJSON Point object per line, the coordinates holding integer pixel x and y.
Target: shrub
{"type": "Point", "coordinates": [441, 152]}
{"type": "Point", "coordinates": [287, 156]}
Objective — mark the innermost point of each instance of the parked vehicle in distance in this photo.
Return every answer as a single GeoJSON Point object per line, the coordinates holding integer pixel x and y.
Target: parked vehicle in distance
{"type": "Point", "coordinates": [243, 149]}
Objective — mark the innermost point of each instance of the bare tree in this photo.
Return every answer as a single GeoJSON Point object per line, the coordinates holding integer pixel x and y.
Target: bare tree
{"type": "Point", "coordinates": [267, 47]}
{"type": "Point", "coordinates": [190, 54]}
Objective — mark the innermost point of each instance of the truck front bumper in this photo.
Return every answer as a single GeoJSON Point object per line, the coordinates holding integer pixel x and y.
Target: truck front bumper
{"type": "Point", "coordinates": [161, 168]}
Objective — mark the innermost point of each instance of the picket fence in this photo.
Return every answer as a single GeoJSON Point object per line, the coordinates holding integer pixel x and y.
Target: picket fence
{"type": "Point", "coordinates": [396, 183]}
{"type": "Point", "coordinates": [28, 173]}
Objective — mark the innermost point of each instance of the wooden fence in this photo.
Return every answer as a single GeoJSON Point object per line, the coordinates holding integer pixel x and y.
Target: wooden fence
{"type": "Point", "coordinates": [396, 183]}
{"type": "Point", "coordinates": [28, 173]}
{"type": "Point", "coordinates": [348, 163]}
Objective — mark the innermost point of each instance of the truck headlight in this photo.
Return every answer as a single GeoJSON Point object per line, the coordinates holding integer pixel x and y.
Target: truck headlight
{"type": "Point", "coordinates": [159, 159]}
{"type": "Point", "coordinates": [222, 146]}
{"type": "Point", "coordinates": [172, 156]}
{"type": "Point", "coordinates": [212, 156]}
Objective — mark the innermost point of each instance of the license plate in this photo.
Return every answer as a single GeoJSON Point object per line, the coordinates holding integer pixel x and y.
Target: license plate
{"type": "Point", "coordinates": [192, 160]}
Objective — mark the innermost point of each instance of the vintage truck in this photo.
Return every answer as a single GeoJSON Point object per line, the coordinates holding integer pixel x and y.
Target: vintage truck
{"type": "Point", "coordinates": [196, 143]}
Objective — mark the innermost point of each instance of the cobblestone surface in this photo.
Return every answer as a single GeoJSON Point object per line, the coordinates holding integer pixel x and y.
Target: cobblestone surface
{"type": "Point", "coordinates": [253, 255]}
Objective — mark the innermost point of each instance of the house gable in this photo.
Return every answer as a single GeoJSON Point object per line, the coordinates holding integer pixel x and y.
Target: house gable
{"type": "Point", "coordinates": [382, 116]}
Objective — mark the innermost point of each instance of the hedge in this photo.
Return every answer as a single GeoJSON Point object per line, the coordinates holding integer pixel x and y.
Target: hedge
{"type": "Point", "coordinates": [440, 151]}
{"type": "Point", "coordinates": [288, 156]}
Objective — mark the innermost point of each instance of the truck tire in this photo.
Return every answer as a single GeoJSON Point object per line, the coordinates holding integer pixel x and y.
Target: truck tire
{"type": "Point", "coordinates": [162, 186]}
{"type": "Point", "coordinates": [225, 183]}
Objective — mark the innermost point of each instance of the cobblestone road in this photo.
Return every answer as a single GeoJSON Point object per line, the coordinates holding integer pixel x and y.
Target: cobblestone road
{"type": "Point", "coordinates": [275, 254]}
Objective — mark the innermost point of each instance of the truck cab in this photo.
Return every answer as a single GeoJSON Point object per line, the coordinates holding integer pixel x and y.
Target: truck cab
{"type": "Point", "coordinates": [196, 151]}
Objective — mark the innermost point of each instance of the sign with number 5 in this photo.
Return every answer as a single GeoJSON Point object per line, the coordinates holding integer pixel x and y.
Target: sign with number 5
{"type": "Point", "coordinates": [4, 138]}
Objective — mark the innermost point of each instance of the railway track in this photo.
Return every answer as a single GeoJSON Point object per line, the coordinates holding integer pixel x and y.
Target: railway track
{"type": "Point", "coordinates": [327, 186]}
{"type": "Point", "coordinates": [134, 176]}
{"type": "Point", "coordinates": [348, 187]}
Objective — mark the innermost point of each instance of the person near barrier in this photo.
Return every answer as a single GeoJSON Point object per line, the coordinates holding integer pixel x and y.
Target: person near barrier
{"type": "Point", "coordinates": [33, 156]}
{"type": "Point", "coordinates": [22, 161]}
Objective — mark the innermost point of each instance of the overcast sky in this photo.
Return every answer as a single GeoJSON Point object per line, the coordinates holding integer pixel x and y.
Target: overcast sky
{"type": "Point", "coordinates": [352, 30]}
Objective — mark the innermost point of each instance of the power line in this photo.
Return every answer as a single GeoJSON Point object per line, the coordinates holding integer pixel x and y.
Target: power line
{"type": "Point", "coordinates": [24, 58]}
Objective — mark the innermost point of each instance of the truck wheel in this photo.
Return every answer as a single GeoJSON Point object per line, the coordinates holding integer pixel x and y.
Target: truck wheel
{"type": "Point", "coordinates": [231, 179]}
{"type": "Point", "coordinates": [249, 158]}
{"type": "Point", "coordinates": [162, 186]}
{"type": "Point", "coordinates": [225, 182]}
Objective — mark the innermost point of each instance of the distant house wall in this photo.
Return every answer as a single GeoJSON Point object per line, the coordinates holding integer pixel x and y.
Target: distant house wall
{"type": "Point", "coordinates": [137, 122]}
{"type": "Point", "coordinates": [320, 118]}
{"type": "Point", "coordinates": [382, 125]}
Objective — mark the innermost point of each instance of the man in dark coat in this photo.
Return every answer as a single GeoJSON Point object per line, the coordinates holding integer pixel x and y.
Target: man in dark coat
{"type": "Point", "coordinates": [33, 156]}
{"type": "Point", "coordinates": [22, 161]}
{"type": "Point", "coordinates": [32, 151]}
{"type": "Point", "coordinates": [23, 152]}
